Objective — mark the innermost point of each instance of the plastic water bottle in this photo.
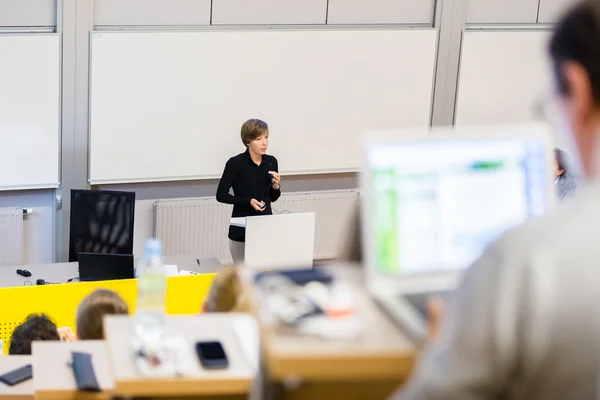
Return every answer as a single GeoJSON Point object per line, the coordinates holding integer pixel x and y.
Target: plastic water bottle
{"type": "Point", "coordinates": [152, 290]}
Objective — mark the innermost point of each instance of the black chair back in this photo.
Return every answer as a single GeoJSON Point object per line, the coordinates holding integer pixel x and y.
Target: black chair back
{"type": "Point", "coordinates": [101, 222]}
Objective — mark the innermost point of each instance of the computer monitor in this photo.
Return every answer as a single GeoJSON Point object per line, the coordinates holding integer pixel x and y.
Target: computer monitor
{"type": "Point", "coordinates": [434, 203]}
{"type": "Point", "coordinates": [103, 267]}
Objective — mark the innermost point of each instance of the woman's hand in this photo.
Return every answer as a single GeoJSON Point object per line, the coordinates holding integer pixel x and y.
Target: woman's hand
{"type": "Point", "coordinates": [275, 179]}
{"type": "Point", "coordinates": [66, 334]}
{"type": "Point", "coordinates": [257, 205]}
{"type": "Point", "coordinates": [437, 311]}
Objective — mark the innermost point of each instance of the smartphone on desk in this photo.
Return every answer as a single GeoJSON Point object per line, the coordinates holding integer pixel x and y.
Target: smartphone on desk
{"type": "Point", "coordinates": [17, 375]}
{"type": "Point", "coordinates": [212, 355]}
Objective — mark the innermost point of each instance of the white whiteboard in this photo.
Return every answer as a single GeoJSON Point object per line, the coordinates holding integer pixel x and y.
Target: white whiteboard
{"type": "Point", "coordinates": [29, 111]}
{"type": "Point", "coordinates": [502, 75]}
{"type": "Point", "coordinates": [169, 105]}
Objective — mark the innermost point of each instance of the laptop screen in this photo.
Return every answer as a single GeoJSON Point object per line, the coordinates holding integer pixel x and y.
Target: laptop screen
{"type": "Point", "coordinates": [439, 203]}
{"type": "Point", "coordinates": [99, 266]}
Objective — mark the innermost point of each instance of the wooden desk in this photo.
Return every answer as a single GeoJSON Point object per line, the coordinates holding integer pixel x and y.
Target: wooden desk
{"type": "Point", "coordinates": [62, 272]}
{"type": "Point", "coordinates": [235, 380]}
{"type": "Point", "coordinates": [370, 367]}
{"type": "Point", "coordinates": [23, 390]}
{"type": "Point", "coordinates": [53, 377]}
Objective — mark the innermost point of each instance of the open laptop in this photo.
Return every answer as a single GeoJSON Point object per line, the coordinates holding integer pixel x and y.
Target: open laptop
{"type": "Point", "coordinates": [432, 201]}
{"type": "Point", "coordinates": [103, 267]}
{"type": "Point", "coordinates": [277, 242]}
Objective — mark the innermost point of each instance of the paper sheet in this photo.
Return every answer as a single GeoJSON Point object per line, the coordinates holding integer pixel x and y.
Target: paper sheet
{"type": "Point", "coordinates": [246, 330]}
{"type": "Point", "coordinates": [185, 272]}
{"type": "Point", "coordinates": [171, 270]}
{"type": "Point", "coordinates": [239, 221]}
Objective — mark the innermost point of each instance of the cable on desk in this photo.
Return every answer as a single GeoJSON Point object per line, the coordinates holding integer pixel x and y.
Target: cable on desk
{"type": "Point", "coordinates": [44, 282]}
{"type": "Point", "coordinates": [26, 283]}
{"type": "Point", "coordinates": [282, 212]}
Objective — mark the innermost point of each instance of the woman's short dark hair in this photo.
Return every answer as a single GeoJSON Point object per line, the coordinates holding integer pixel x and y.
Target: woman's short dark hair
{"type": "Point", "coordinates": [577, 38]}
{"type": "Point", "coordinates": [252, 130]}
{"type": "Point", "coordinates": [561, 160]}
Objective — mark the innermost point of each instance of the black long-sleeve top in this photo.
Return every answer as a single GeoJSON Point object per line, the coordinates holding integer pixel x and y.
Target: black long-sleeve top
{"type": "Point", "coordinates": [249, 181]}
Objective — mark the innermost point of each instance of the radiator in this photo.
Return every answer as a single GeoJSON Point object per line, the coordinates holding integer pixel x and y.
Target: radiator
{"type": "Point", "coordinates": [199, 226]}
{"type": "Point", "coordinates": [11, 236]}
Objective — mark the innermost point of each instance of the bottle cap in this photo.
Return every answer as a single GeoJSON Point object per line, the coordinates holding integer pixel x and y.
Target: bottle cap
{"type": "Point", "coordinates": [153, 248]}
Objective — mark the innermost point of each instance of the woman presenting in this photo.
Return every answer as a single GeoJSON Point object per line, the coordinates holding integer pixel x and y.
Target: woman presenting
{"type": "Point", "coordinates": [254, 177]}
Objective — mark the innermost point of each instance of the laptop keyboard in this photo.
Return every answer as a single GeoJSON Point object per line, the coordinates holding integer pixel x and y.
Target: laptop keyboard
{"type": "Point", "coordinates": [419, 300]}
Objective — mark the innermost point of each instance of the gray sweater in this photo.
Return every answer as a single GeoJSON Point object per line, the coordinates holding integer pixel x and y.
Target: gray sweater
{"type": "Point", "coordinates": [525, 321]}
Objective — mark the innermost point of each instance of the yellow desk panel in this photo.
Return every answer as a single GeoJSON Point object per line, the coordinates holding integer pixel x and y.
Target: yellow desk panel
{"type": "Point", "coordinates": [185, 295]}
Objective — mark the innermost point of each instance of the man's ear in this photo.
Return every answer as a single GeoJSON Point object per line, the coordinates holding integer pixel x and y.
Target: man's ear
{"type": "Point", "coordinates": [580, 94]}
{"type": "Point", "coordinates": [581, 109]}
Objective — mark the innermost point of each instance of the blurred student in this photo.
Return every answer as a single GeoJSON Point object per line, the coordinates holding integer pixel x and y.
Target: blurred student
{"type": "Point", "coordinates": [565, 182]}
{"type": "Point", "coordinates": [524, 323]}
{"type": "Point", "coordinates": [225, 293]}
{"type": "Point", "coordinates": [36, 327]}
{"type": "Point", "coordinates": [93, 308]}
{"type": "Point", "coordinates": [254, 178]}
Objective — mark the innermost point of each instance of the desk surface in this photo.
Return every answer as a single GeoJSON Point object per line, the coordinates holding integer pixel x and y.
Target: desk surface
{"type": "Point", "coordinates": [62, 272]}
{"type": "Point", "coordinates": [23, 390]}
{"type": "Point", "coordinates": [382, 352]}
{"type": "Point", "coordinates": [53, 377]}
{"type": "Point", "coordinates": [198, 381]}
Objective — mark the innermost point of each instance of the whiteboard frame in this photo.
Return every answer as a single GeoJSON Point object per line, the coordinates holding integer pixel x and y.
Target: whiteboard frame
{"type": "Point", "coordinates": [57, 184]}
{"type": "Point", "coordinates": [242, 28]}
{"type": "Point", "coordinates": [489, 28]}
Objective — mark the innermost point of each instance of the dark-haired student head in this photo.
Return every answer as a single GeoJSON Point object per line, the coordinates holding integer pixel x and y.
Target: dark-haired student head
{"type": "Point", "coordinates": [575, 55]}
{"type": "Point", "coordinates": [35, 327]}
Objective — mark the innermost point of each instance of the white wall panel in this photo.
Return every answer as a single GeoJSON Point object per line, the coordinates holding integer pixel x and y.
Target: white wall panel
{"type": "Point", "coordinates": [262, 12]}
{"type": "Point", "coordinates": [550, 10]}
{"type": "Point", "coordinates": [502, 11]}
{"type": "Point", "coordinates": [380, 11]}
{"type": "Point", "coordinates": [151, 12]}
{"type": "Point", "coordinates": [15, 13]}
{"type": "Point", "coordinates": [502, 76]}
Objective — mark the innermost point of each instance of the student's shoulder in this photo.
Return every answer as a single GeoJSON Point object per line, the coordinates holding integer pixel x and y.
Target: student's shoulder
{"type": "Point", "coordinates": [570, 228]}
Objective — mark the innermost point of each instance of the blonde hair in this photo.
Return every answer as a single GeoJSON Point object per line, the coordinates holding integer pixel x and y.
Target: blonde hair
{"type": "Point", "coordinates": [226, 294]}
{"type": "Point", "coordinates": [93, 308]}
